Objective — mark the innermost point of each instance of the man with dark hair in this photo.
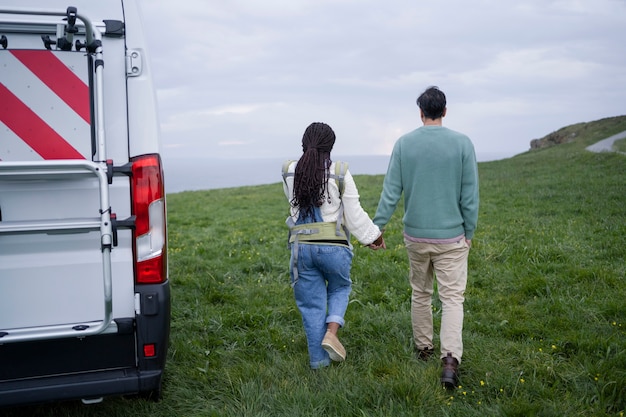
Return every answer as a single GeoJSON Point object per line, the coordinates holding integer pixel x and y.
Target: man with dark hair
{"type": "Point", "coordinates": [436, 169]}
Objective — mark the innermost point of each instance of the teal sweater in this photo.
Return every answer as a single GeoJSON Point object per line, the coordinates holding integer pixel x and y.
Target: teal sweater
{"type": "Point", "coordinates": [436, 169]}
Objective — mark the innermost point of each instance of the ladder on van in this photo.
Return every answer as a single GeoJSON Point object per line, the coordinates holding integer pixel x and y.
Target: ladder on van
{"type": "Point", "coordinates": [66, 24]}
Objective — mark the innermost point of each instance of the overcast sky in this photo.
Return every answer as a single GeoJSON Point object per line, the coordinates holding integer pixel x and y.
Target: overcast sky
{"type": "Point", "coordinates": [243, 78]}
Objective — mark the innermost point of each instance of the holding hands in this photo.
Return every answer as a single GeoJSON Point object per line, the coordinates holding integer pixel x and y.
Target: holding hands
{"type": "Point", "coordinates": [379, 243]}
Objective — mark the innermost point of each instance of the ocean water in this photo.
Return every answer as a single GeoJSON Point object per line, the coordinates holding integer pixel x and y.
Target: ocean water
{"type": "Point", "coordinates": [195, 173]}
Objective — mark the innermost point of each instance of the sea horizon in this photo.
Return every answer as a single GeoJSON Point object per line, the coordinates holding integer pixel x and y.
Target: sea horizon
{"type": "Point", "coordinates": [208, 173]}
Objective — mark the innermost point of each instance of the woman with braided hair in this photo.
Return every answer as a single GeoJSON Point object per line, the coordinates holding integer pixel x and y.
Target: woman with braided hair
{"type": "Point", "coordinates": [324, 211]}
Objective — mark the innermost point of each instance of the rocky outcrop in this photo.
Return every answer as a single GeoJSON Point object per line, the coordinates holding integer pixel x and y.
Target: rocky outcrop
{"type": "Point", "coordinates": [554, 138]}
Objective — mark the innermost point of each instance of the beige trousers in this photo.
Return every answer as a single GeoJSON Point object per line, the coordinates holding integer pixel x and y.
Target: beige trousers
{"type": "Point", "coordinates": [448, 263]}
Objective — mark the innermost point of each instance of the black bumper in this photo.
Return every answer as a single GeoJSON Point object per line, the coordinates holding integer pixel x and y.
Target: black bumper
{"type": "Point", "coordinates": [84, 386]}
{"type": "Point", "coordinates": [95, 366]}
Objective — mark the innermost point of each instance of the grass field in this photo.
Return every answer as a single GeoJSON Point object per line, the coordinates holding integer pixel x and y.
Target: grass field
{"type": "Point", "coordinates": [545, 324]}
{"type": "Point", "coordinates": [620, 145]}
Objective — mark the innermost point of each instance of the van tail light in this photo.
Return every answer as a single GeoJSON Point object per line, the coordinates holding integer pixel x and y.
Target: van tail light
{"type": "Point", "coordinates": [149, 350]}
{"type": "Point", "coordinates": [150, 244]}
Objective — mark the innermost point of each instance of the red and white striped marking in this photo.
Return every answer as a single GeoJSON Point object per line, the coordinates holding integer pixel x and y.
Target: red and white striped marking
{"type": "Point", "coordinates": [44, 105]}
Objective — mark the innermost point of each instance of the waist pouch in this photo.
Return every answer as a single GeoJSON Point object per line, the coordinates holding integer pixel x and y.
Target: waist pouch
{"type": "Point", "coordinates": [321, 233]}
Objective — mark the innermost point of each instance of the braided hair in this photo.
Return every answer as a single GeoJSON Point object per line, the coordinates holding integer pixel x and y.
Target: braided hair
{"type": "Point", "coordinates": [311, 175]}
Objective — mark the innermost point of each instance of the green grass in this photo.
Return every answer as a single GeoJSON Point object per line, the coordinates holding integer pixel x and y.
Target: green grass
{"type": "Point", "coordinates": [545, 326]}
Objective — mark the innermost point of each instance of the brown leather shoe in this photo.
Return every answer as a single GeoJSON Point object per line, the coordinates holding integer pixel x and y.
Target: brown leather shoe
{"type": "Point", "coordinates": [450, 373]}
{"type": "Point", "coordinates": [425, 354]}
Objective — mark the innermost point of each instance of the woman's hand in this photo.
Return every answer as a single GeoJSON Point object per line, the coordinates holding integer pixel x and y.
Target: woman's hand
{"type": "Point", "coordinates": [379, 243]}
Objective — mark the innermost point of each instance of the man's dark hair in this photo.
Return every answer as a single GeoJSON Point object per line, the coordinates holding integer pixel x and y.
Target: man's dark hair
{"type": "Point", "coordinates": [432, 102]}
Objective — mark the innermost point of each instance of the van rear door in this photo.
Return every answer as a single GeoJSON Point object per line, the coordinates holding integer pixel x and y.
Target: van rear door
{"type": "Point", "coordinates": [83, 274]}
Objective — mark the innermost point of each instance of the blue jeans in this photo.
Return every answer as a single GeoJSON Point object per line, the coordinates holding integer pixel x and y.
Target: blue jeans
{"type": "Point", "coordinates": [321, 292]}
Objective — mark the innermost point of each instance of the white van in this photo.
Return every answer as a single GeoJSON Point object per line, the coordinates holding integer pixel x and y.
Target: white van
{"type": "Point", "coordinates": [84, 290]}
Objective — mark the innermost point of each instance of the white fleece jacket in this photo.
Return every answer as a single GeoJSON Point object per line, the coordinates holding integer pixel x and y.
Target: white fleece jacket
{"type": "Point", "coordinates": [355, 218]}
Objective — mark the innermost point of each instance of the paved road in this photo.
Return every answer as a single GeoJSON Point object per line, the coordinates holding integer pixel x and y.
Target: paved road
{"type": "Point", "coordinates": [606, 145]}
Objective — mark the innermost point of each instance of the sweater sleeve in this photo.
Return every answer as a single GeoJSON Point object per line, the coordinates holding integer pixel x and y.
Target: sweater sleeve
{"type": "Point", "coordinates": [469, 193]}
{"type": "Point", "coordinates": [288, 189]}
{"type": "Point", "coordinates": [356, 218]}
{"type": "Point", "coordinates": [392, 190]}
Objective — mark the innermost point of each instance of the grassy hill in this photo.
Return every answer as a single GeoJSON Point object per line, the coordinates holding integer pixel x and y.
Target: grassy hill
{"type": "Point", "coordinates": [545, 326]}
{"type": "Point", "coordinates": [581, 133]}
